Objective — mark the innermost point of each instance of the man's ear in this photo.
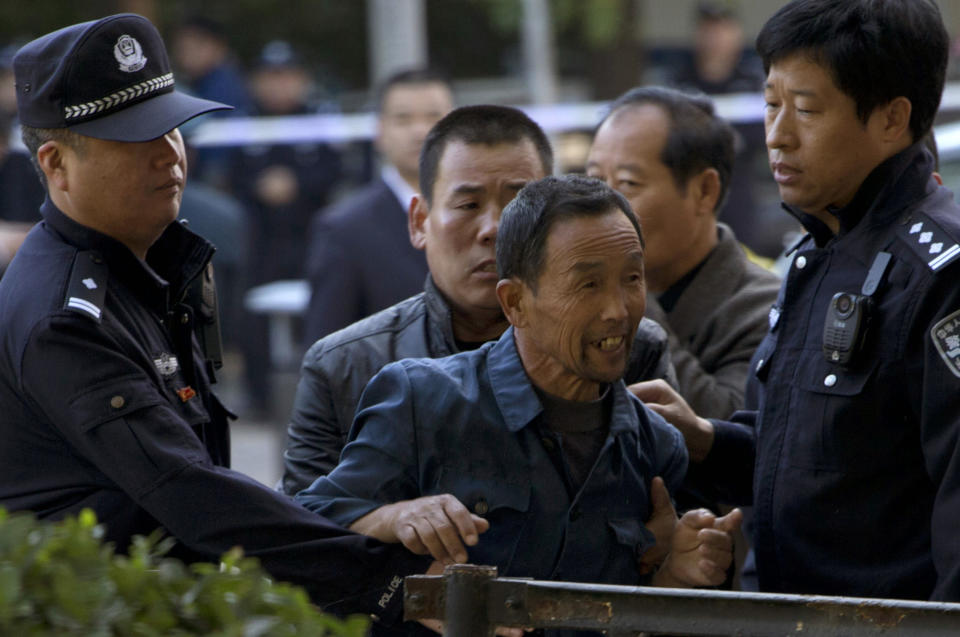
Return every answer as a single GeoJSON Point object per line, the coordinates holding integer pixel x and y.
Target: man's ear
{"type": "Point", "coordinates": [706, 191]}
{"type": "Point", "coordinates": [511, 294]}
{"type": "Point", "coordinates": [51, 159]}
{"type": "Point", "coordinates": [416, 222]}
{"type": "Point", "coordinates": [896, 120]}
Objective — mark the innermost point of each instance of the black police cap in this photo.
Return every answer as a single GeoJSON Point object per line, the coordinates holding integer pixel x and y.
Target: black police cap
{"type": "Point", "coordinates": [109, 79]}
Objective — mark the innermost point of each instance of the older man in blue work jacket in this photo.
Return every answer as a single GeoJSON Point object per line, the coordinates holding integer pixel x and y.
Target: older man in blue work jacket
{"type": "Point", "coordinates": [529, 453]}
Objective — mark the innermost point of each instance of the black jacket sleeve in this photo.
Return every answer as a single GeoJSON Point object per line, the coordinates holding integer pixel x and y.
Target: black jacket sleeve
{"type": "Point", "coordinates": [111, 414]}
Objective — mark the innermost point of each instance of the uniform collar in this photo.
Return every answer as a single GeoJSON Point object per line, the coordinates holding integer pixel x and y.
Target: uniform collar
{"type": "Point", "coordinates": [174, 260]}
{"type": "Point", "coordinates": [891, 186]}
{"type": "Point", "coordinates": [517, 400]}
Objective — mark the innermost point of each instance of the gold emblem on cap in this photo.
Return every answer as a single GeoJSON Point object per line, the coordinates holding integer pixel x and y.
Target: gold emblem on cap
{"type": "Point", "coordinates": [129, 54]}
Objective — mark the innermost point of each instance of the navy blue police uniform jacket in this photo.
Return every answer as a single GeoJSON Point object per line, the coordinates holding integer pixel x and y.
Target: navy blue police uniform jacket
{"type": "Point", "coordinates": [105, 403]}
{"type": "Point", "coordinates": [854, 468]}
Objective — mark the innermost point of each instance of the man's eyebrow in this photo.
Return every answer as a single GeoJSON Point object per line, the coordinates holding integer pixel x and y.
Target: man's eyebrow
{"type": "Point", "coordinates": [637, 255]}
{"type": "Point", "coordinates": [628, 166]}
{"type": "Point", "coordinates": [585, 266]}
{"type": "Point", "coordinates": [803, 92]}
{"type": "Point", "coordinates": [467, 189]}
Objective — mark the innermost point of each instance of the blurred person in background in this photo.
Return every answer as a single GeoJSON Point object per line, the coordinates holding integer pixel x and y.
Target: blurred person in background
{"type": "Point", "coordinates": [207, 67]}
{"type": "Point", "coordinates": [359, 258]}
{"type": "Point", "coordinates": [8, 93]}
{"type": "Point", "coordinates": [21, 194]}
{"type": "Point", "coordinates": [281, 186]}
{"type": "Point", "coordinates": [720, 61]}
{"type": "Point", "coordinates": [284, 184]}
{"type": "Point", "coordinates": [202, 55]}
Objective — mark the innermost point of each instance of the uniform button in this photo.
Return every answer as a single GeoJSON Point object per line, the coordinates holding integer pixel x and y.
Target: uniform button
{"type": "Point", "coordinates": [547, 443]}
{"type": "Point", "coordinates": [481, 507]}
{"type": "Point", "coordinates": [760, 364]}
{"type": "Point", "coordinates": [96, 258]}
{"type": "Point", "coordinates": [576, 514]}
{"type": "Point", "coordinates": [184, 318]}
{"type": "Point", "coordinates": [117, 402]}
{"type": "Point", "coordinates": [801, 262]}
{"type": "Point", "coordinates": [830, 380]}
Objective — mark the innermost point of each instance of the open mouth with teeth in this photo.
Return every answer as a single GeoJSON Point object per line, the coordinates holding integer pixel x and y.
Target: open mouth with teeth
{"type": "Point", "coordinates": [610, 343]}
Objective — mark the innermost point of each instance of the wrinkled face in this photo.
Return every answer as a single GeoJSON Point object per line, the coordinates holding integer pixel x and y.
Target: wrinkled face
{"type": "Point", "coordinates": [626, 155]}
{"type": "Point", "coordinates": [459, 231]}
{"type": "Point", "coordinates": [590, 297]}
{"type": "Point", "coordinates": [819, 150]}
{"type": "Point", "coordinates": [408, 113]}
{"type": "Point", "coordinates": [130, 191]}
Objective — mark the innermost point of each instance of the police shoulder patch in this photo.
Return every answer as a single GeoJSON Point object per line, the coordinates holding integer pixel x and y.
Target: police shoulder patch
{"type": "Point", "coordinates": [946, 338]}
{"type": "Point", "coordinates": [87, 287]}
{"type": "Point", "coordinates": [929, 241]}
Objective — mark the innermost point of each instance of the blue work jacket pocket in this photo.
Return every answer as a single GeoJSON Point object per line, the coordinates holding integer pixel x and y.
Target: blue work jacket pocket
{"type": "Point", "coordinates": [630, 540]}
{"type": "Point", "coordinates": [833, 427]}
{"type": "Point", "coordinates": [633, 535]}
{"type": "Point", "coordinates": [504, 505]}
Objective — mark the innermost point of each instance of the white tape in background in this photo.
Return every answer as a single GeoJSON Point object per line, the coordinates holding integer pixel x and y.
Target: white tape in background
{"type": "Point", "coordinates": [737, 108]}
{"type": "Point", "coordinates": [554, 118]}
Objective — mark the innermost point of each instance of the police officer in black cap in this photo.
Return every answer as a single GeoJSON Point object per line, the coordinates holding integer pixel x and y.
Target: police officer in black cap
{"type": "Point", "coordinates": [104, 392]}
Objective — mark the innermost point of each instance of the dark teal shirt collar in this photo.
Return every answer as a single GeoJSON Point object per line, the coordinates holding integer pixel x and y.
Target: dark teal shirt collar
{"type": "Point", "coordinates": [517, 400]}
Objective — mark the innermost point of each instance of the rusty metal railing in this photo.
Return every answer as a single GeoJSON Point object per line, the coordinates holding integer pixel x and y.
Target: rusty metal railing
{"type": "Point", "coordinates": [472, 600]}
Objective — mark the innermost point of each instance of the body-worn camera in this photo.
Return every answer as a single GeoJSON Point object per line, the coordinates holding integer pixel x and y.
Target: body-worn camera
{"type": "Point", "coordinates": [846, 326]}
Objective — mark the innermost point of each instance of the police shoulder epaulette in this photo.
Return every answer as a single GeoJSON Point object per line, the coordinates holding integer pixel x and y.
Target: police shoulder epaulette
{"type": "Point", "coordinates": [87, 287]}
{"type": "Point", "coordinates": [929, 241]}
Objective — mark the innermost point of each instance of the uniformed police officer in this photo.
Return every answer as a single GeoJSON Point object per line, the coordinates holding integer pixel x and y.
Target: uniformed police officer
{"type": "Point", "coordinates": [104, 392]}
{"type": "Point", "coordinates": [852, 450]}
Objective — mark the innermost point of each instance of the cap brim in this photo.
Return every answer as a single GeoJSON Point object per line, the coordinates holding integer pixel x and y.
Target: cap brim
{"type": "Point", "coordinates": [148, 119]}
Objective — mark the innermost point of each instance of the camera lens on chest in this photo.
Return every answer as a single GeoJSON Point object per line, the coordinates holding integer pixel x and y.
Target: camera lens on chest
{"type": "Point", "coordinates": [844, 304]}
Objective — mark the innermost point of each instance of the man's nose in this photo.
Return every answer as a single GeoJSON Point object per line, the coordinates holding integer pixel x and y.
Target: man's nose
{"type": "Point", "coordinates": [170, 148]}
{"type": "Point", "coordinates": [614, 305]}
{"type": "Point", "coordinates": [489, 224]}
{"type": "Point", "coordinates": [779, 130]}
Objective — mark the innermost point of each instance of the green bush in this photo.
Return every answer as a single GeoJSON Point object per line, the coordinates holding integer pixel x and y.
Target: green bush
{"type": "Point", "coordinates": [61, 579]}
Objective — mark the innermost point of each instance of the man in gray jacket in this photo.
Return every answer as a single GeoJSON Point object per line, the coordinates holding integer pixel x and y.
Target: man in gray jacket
{"type": "Point", "coordinates": [671, 156]}
{"type": "Point", "coordinates": [473, 162]}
